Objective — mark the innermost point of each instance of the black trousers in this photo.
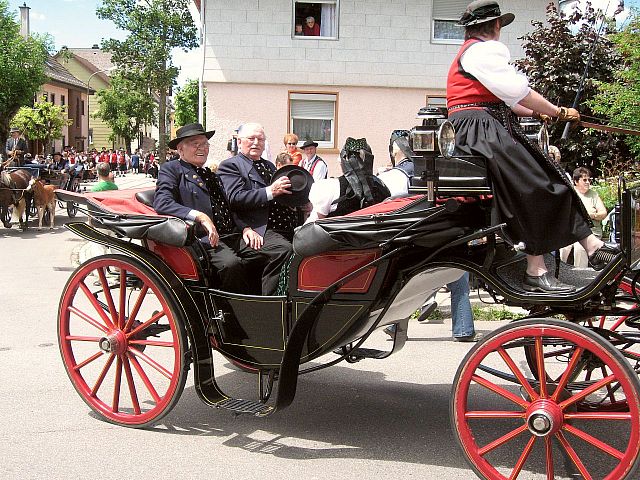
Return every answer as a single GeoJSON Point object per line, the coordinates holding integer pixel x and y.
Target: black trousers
{"type": "Point", "coordinates": [237, 264]}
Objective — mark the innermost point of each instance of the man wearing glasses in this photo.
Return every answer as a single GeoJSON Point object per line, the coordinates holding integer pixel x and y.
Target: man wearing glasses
{"type": "Point", "coordinates": [266, 225]}
{"type": "Point", "coordinates": [188, 190]}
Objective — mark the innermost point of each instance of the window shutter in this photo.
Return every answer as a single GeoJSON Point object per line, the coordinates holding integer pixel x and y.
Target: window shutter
{"type": "Point", "coordinates": [449, 9]}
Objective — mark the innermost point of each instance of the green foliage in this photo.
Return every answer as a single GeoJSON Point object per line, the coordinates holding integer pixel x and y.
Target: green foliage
{"type": "Point", "coordinates": [157, 27]}
{"type": "Point", "coordinates": [619, 99]}
{"type": "Point", "coordinates": [555, 62]}
{"type": "Point", "coordinates": [186, 104]}
{"type": "Point", "coordinates": [494, 313]}
{"type": "Point", "coordinates": [44, 121]}
{"type": "Point", "coordinates": [125, 106]}
{"type": "Point", "coordinates": [21, 67]}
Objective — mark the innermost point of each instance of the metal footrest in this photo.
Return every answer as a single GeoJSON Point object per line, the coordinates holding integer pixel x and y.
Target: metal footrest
{"type": "Point", "coordinates": [245, 406]}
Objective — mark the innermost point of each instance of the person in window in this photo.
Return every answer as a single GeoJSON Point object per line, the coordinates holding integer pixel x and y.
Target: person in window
{"type": "Point", "coordinates": [311, 28]}
{"type": "Point", "coordinates": [291, 147]}
{"type": "Point", "coordinates": [298, 30]}
{"type": "Point", "coordinates": [312, 163]}
{"type": "Point", "coordinates": [538, 204]}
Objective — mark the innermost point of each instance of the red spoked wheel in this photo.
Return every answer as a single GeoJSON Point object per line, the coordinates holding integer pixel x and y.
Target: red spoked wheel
{"type": "Point", "coordinates": [122, 341]}
{"type": "Point", "coordinates": [509, 422]}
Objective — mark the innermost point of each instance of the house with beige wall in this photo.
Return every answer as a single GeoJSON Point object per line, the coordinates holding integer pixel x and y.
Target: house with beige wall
{"type": "Point", "coordinates": [374, 64]}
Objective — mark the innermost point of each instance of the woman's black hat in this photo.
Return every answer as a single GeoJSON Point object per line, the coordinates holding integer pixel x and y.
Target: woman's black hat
{"type": "Point", "coordinates": [189, 130]}
{"type": "Point", "coordinates": [482, 11]}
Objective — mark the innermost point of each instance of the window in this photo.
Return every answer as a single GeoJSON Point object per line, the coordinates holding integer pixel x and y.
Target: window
{"type": "Point", "coordinates": [313, 117]}
{"type": "Point", "coordinates": [52, 98]}
{"type": "Point", "coordinates": [446, 14]}
{"type": "Point", "coordinates": [45, 97]}
{"type": "Point", "coordinates": [324, 22]}
{"type": "Point", "coordinates": [78, 112]}
{"type": "Point", "coordinates": [62, 100]}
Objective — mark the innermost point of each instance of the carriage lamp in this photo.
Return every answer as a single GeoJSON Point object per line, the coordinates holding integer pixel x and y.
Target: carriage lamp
{"type": "Point", "coordinates": [436, 136]}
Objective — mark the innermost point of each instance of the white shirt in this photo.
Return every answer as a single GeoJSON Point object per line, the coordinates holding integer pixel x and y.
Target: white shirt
{"type": "Point", "coordinates": [396, 181]}
{"type": "Point", "coordinates": [322, 195]}
{"type": "Point", "coordinates": [489, 63]}
{"type": "Point", "coordinates": [321, 169]}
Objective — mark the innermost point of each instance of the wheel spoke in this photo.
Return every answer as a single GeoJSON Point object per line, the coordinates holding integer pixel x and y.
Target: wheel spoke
{"type": "Point", "coordinates": [152, 363]}
{"type": "Point", "coordinates": [142, 326]}
{"type": "Point", "coordinates": [132, 386]}
{"type": "Point", "coordinates": [574, 456]}
{"type": "Point", "coordinates": [564, 379]}
{"type": "Point", "coordinates": [542, 374]}
{"type": "Point", "coordinates": [548, 450]}
{"type": "Point", "coordinates": [136, 308]}
{"type": "Point", "coordinates": [502, 440]}
{"type": "Point", "coordinates": [116, 387]}
{"type": "Point", "coordinates": [523, 458]}
{"type": "Point", "coordinates": [98, 308]}
{"type": "Point", "coordinates": [494, 414]}
{"type": "Point", "coordinates": [88, 360]}
{"type": "Point", "coordinates": [608, 449]}
{"type": "Point", "coordinates": [107, 295]}
{"type": "Point", "coordinates": [123, 297]}
{"type": "Point", "coordinates": [500, 391]}
{"type": "Point", "coordinates": [102, 375]}
{"type": "Point", "coordinates": [518, 373]}
{"type": "Point", "coordinates": [598, 416]}
{"type": "Point", "coordinates": [610, 391]}
{"type": "Point", "coordinates": [145, 378]}
{"type": "Point", "coordinates": [77, 338]}
{"type": "Point", "coordinates": [587, 391]}
{"type": "Point", "coordinates": [88, 319]}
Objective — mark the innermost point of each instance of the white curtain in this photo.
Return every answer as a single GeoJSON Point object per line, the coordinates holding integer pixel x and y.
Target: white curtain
{"type": "Point", "coordinates": [328, 20]}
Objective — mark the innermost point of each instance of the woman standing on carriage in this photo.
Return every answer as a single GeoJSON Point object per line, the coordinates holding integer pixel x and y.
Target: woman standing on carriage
{"type": "Point", "coordinates": [484, 95]}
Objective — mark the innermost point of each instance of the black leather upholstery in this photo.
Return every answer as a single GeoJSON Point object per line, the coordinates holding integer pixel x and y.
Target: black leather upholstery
{"type": "Point", "coordinates": [146, 197]}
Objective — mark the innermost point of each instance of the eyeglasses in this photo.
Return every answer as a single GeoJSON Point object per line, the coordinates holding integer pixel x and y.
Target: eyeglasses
{"type": "Point", "coordinates": [292, 143]}
{"type": "Point", "coordinates": [586, 180]}
{"type": "Point", "coordinates": [254, 139]}
{"type": "Point", "coordinates": [198, 146]}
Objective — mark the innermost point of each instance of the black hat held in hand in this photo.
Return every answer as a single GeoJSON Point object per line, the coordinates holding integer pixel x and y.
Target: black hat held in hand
{"type": "Point", "coordinates": [301, 181]}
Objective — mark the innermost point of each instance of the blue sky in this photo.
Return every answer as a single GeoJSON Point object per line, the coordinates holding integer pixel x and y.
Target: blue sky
{"type": "Point", "coordinates": [74, 23]}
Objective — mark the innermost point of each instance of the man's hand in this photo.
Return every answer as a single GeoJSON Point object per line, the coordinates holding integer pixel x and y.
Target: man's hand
{"type": "Point", "coordinates": [252, 238]}
{"type": "Point", "coordinates": [204, 220]}
{"type": "Point", "coordinates": [281, 187]}
{"type": "Point", "coordinates": [566, 114]}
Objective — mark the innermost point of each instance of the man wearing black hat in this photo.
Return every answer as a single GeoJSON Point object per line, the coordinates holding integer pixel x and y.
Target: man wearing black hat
{"type": "Point", "coordinates": [484, 93]}
{"type": "Point", "coordinates": [188, 190]}
{"type": "Point", "coordinates": [16, 147]}
{"type": "Point", "coordinates": [254, 192]}
{"type": "Point", "coordinates": [312, 163]}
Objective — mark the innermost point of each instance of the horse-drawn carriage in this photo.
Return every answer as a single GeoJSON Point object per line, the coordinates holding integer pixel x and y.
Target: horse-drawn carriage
{"type": "Point", "coordinates": [556, 396]}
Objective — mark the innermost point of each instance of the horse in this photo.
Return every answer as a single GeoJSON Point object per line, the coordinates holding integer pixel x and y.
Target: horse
{"type": "Point", "coordinates": [13, 185]}
{"type": "Point", "coordinates": [44, 198]}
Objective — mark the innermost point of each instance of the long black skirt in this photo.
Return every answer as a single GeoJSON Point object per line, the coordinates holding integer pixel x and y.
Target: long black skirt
{"type": "Point", "coordinates": [532, 196]}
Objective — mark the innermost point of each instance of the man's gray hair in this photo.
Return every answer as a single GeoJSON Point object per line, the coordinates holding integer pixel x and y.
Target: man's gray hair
{"type": "Point", "coordinates": [247, 129]}
{"type": "Point", "coordinates": [309, 18]}
{"type": "Point", "coordinates": [103, 169]}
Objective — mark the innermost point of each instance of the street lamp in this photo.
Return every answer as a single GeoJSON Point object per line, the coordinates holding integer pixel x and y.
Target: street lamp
{"type": "Point", "coordinates": [110, 69]}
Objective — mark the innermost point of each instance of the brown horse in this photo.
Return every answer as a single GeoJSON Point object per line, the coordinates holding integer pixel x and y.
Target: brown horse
{"type": "Point", "coordinates": [13, 185]}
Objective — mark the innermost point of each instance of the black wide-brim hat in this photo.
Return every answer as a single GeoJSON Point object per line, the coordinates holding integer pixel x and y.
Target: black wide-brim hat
{"type": "Point", "coordinates": [189, 130]}
{"type": "Point", "coordinates": [301, 181]}
{"type": "Point", "coordinates": [309, 143]}
{"type": "Point", "coordinates": [482, 11]}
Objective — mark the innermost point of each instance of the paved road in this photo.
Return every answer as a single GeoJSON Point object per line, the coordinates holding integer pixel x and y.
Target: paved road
{"type": "Point", "coordinates": [370, 420]}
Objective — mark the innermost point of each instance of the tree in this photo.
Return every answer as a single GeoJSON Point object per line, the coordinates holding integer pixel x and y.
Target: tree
{"type": "Point", "coordinates": [555, 62]}
{"type": "Point", "coordinates": [157, 27]}
{"type": "Point", "coordinates": [125, 106]}
{"type": "Point", "coordinates": [186, 103]}
{"type": "Point", "coordinates": [620, 99]}
{"type": "Point", "coordinates": [44, 121]}
{"type": "Point", "coordinates": [21, 67]}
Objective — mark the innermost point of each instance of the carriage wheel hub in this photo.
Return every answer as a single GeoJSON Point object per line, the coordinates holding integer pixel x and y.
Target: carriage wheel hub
{"type": "Point", "coordinates": [544, 417]}
{"type": "Point", "coordinates": [115, 342]}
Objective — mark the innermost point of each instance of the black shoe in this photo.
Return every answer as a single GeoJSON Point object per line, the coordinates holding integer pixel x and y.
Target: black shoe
{"type": "Point", "coordinates": [426, 311]}
{"type": "Point", "coordinates": [546, 283]}
{"type": "Point", "coordinates": [604, 255]}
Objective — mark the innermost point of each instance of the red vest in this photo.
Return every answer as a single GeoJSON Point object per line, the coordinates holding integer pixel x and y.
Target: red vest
{"type": "Point", "coordinates": [462, 87]}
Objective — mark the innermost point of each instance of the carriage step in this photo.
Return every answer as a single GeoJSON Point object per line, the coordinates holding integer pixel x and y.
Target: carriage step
{"type": "Point", "coordinates": [367, 353]}
{"type": "Point", "coordinates": [245, 406]}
